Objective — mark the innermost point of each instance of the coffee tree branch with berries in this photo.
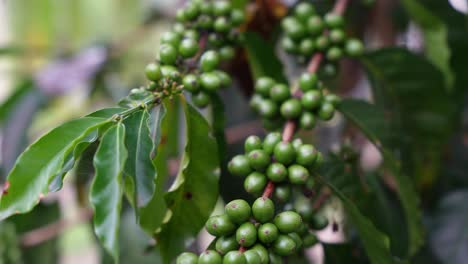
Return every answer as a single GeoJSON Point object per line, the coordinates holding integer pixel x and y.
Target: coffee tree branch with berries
{"type": "Point", "coordinates": [290, 183]}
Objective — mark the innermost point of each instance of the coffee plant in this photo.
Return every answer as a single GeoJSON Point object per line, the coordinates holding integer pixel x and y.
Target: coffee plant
{"type": "Point", "coordinates": [290, 185]}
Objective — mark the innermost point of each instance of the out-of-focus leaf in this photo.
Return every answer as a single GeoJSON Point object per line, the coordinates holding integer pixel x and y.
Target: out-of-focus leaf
{"type": "Point", "coordinates": [435, 37]}
{"type": "Point", "coordinates": [219, 125]}
{"type": "Point", "coordinates": [193, 195]}
{"type": "Point", "coordinates": [448, 229]}
{"type": "Point", "coordinates": [11, 102]}
{"type": "Point", "coordinates": [342, 253]}
{"type": "Point", "coordinates": [35, 168]}
{"type": "Point", "coordinates": [11, 50]}
{"type": "Point", "coordinates": [10, 252]}
{"type": "Point", "coordinates": [366, 117]}
{"type": "Point", "coordinates": [375, 242]}
{"type": "Point", "coordinates": [107, 188]}
{"type": "Point", "coordinates": [139, 167]}
{"type": "Point", "coordinates": [152, 215]}
{"type": "Point", "coordinates": [262, 58]}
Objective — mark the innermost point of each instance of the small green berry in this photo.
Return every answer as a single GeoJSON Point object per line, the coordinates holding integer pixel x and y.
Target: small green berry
{"type": "Point", "coordinates": [252, 257]}
{"type": "Point", "coordinates": [209, 60]}
{"type": "Point", "coordinates": [223, 77]}
{"type": "Point", "coordinates": [284, 246]}
{"type": "Point", "coordinates": [282, 193]}
{"type": "Point", "coordinates": [222, 25]}
{"type": "Point", "coordinates": [171, 38]}
{"type": "Point", "coordinates": [288, 222]}
{"type": "Point", "coordinates": [226, 53]}
{"type": "Point", "coordinates": [180, 15]}
{"type": "Point", "coordinates": [210, 81]}
{"type": "Point", "coordinates": [267, 233]}
{"type": "Point", "coordinates": [308, 81]}
{"type": "Point", "coordinates": [255, 102]}
{"type": "Point", "coordinates": [291, 108]}
{"type": "Point", "coordinates": [263, 86]}
{"type": "Point", "coordinates": [310, 240]}
{"type": "Point", "coordinates": [221, 8]}
{"type": "Point", "coordinates": [336, 36]}
{"type": "Point", "coordinates": [293, 28]}
{"type": "Point", "coordinates": [178, 28]}
{"type": "Point", "coordinates": [303, 207]}
{"type": "Point", "coordinates": [280, 93]}
{"type": "Point", "coordinates": [246, 234]}
{"type": "Point", "coordinates": [220, 225]}
{"type": "Point", "coordinates": [306, 155]}
{"type": "Point", "coordinates": [318, 222]}
{"type": "Point", "coordinates": [255, 182]}
{"type": "Point", "coordinates": [267, 108]}
{"type": "Point", "coordinates": [262, 252]}
{"type": "Point", "coordinates": [277, 172]}
{"type": "Point", "coordinates": [259, 159]}
{"type": "Point", "coordinates": [191, 11]}
{"type": "Point", "coordinates": [298, 174]}
{"type": "Point", "coordinates": [239, 166]}
{"type": "Point", "coordinates": [225, 244]}
{"type": "Point", "coordinates": [206, 7]}
{"type": "Point", "coordinates": [201, 99]}
{"type": "Point", "coordinates": [315, 25]}
{"type": "Point", "coordinates": [326, 111]}
{"type": "Point", "coordinates": [303, 11]}
{"type": "Point", "coordinates": [334, 53]}
{"type": "Point", "coordinates": [284, 153]}
{"type": "Point", "coordinates": [205, 22]}
{"type": "Point", "coordinates": [263, 209]}
{"type": "Point", "coordinates": [297, 142]}
{"type": "Point", "coordinates": [307, 121]}
{"type": "Point", "coordinates": [190, 83]}
{"type": "Point", "coordinates": [237, 17]}
{"type": "Point", "coordinates": [332, 99]}
{"type": "Point", "coordinates": [311, 99]}
{"type": "Point", "coordinates": [333, 20]}
{"type": "Point", "coordinates": [297, 239]}
{"type": "Point", "coordinates": [354, 47]}
{"type": "Point", "coordinates": [270, 141]}
{"type": "Point", "coordinates": [238, 211]}
{"type": "Point", "coordinates": [234, 257]}
{"type": "Point", "coordinates": [289, 45]}
{"type": "Point", "coordinates": [329, 70]}
{"type": "Point", "coordinates": [191, 34]}
{"type": "Point", "coordinates": [322, 42]}
{"type": "Point", "coordinates": [210, 257]}
{"type": "Point", "coordinates": [187, 258]}
{"type": "Point", "coordinates": [153, 72]}
{"type": "Point", "coordinates": [252, 143]}
{"type": "Point", "coordinates": [188, 48]}
{"type": "Point", "coordinates": [307, 47]}
{"type": "Point", "coordinates": [169, 71]}
{"type": "Point", "coordinates": [168, 54]}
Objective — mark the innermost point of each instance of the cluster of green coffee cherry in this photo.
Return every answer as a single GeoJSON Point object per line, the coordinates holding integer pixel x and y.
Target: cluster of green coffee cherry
{"type": "Point", "coordinates": [306, 33]}
{"type": "Point", "coordinates": [275, 102]}
{"type": "Point", "coordinates": [216, 21]}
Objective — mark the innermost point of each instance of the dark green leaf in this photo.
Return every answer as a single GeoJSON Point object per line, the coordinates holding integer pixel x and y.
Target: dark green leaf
{"type": "Point", "coordinates": [107, 188]}
{"type": "Point", "coordinates": [262, 58]}
{"type": "Point", "coordinates": [139, 167]}
{"type": "Point", "coordinates": [35, 168]}
{"type": "Point", "coordinates": [448, 228]}
{"type": "Point", "coordinates": [219, 125]}
{"type": "Point", "coordinates": [193, 195]}
{"type": "Point", "coordinates": [342, 253]}
{"type": "Point", "coordinates": [9, 104]}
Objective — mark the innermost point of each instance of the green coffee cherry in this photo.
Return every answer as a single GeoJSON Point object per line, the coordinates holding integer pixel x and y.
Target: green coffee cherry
{"type": "Point", "coordinates": [238, 211]}
{"type": "Point", "coordinates": [284, 153]}
{"type": "Point", "coordinates": [318, 222]}
{"type": "Point", "coordinates": [297, 239]}
{"type": "Point", "coordinates": [220, 225]}
{"type": "Point", "coordinates": [205, 22]}
{"type": "Point", "coordinates": [191, 11]}
{"type": "Point", "coordinates": [234, 257]}
{"type": "Point", "coordinates": [337, 36]}
{"type": "Point", "coordinates": [329, 70]}
{"type": "Point", "coordinates": [263, 209]}
{"type": "Point", "coordinates": [303, 207]}
{"type": "Point", "coordinates": [246, 234]}
{"type": "Point", "coordinates": [191, 34]}
{"type": "Point", "coordinates": [167, 54]}
{"type": "Point", "coordinates": [311, 99]}
{"type": "Point", "coordinates": [209, 60]}
{"type": "Point", "coordinates": [332, 99]}
{"type": "Point", "coordinates": [188, 48]}
{"type": "Point", "coordinates": [179, 29]}
{"type": "Point", "coordinates": [226, 53]}
{"type": "Point", "coordinates": [277, 172]}
{"type": "Point", "coordinates": [303, 11]}
{"type": "Point", "coordinates": [284, 246]}
{"type": "Point", "coordinates": [267, 233]}
{"type": "Point", "coordinates": [334, 53]}
{"type": "Point", "coordinates": [297, 174]}
{"type": "Point", "coordinates": [180, 16]}
{"type": "Point", "coordinates": [291, 108]}
{"type": "Point", "coordinates": [354, 47]}
{"type": "Point", "coordinates": [237, 17]}
{"type": "Point", "coordinates": [288, 222]}
{"type": "Point", "coordinates": [308, 81]}
{"type": "Point", "coordinates": [306, 155]}
{"type": "Point", "coordinates": [187, 258]}
{"type": "Point", "coordinates": [225, 244]}
{"type": "Point", "coordinates": [255, 102]}
{"type": "Point", "coordinates": [319, 160]}
{"type": "Point", "coordinates": [221, 8]}
{"type": "Point", "coordinates": [190, 83]}
{"type": "Point", "coordinates": [255, 183]}
{"type": "Point", "coordinates": [210, 81]}
{"type": "Point", "coordinates": [267, 108]}
{"type": "Point", "coordinates": [333, 20]}
{"type": "Point", "coordinates": [289, 45]}
{"type": "Point", "coordinates": [239, 166]}
{"type": "Point", "coordinates": [262, 252]}
{"type": "Point", "coordinates": [171, 38]}
{"type": "Point", "coordinates": [296, 143]}
{"type": "Point", "coordinates": [293, 28]}
{"type": "Point", "coordinates": [169, 71]}
{"type": "Point", "coordinates": [210, 257]}
{"type": "Point", "coordinates": [279, 93]}
{"type": "Point", "coordinates": [270, 142]}
{"type": "Point", "coordinates": [153, 72]}
{"type": "Point", "coordinates": [252, 257]}
{"type": "Point", "coordinates": [307, 47]}
{"type": "Point", "coordinates": [315, 25]}
{"type": "Point", "coordinates": [310, 240]}
{"type": "Point", "coordinates": [252, 143]}
{"type": "Point", "coordinates": [326, 111]}
{"type": "Point", "coordinates": [222, 25]}
{"type": "Point", "coordinates": [201, 99]}
{"type": "Point", "coordinates": [263, 85]}
{"type": "Point", "coordinates": [307, 121]}
{"type": "Point", "coordinates": [322, 42]}
{"type": "Point", "coordinates": [223, 77]}
{"type": "Point", "coordinates": [282, 193]}
{"type": "Point", "coordinates": [259, 159]}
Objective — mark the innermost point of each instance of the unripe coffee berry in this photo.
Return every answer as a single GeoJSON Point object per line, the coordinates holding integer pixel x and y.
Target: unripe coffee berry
{"type": "Point", "coordinates": [315, 25]}
{"type": "Point", "coordinates": [188, 48]}
{"type": "Point", "coordinates": [190, 83]}
{"type": "Point", "coordinates": [167, 54]}
{"type": "Point", "coordinates": [225, 244]}
{"type": "Point", "coordinates": [153, 72]}
{"type": "Point", "coordinates": [307, 120]}
{"type": "Point", "coordinates": [297, 174]}
{"type": "Point", "coordinates": [262, 252]}
{"type": "Point", "coordinates": [354, 47]}
{"type": "Point", "coordinates": [223, 77]}
{"type": "Point", "coordinates": [255, 183]}
{"type": "Point", "coordinates": [296, 143]}
{"type": "Point", "coordinates": [284, 246]}
{"type": "Point", "coordinates": [289, 45]}
{"type": "Point", "coordinates": [306, 155]}
{"type": "Point", "coordinates": [326, 111]}
{"type": "Point", "coordinates": [201, 99]}
{"type": "Point", "coordinates": [234, 257]}
{"type": "Point", "coordinates": [279, 93]}
{"type": "Point", "coordinates": [322, 42]}
{"type": "Point", "coordinates": [263, 209]}
{"type": "Point", "coordinates": [311, 99]}
{"type": "Point", "coordinates": [170, 38]}
{"type": "Point", "coordinates": [259, 159]}
{"type": "Point", "coordinates": [267, 108]}
{"type": "Point", "coordinates": [263, 85]}
{"type": "Point", "coordinates": [187, 258]}
{"type": "Point", "coordinates": [179, 29]}
{"type": "Point", "coordinates": [307, 47]}
{"type": "Point", "coordinates": [210, 257]}
{"type": "Point", "coordinates": [333, 20]}
{"type": "Point", "coordinates": [220, 225]}
{"type": "Point", "coordinates": [209, 60]}
{"type": "Point", "coordinates": [318, 222]}
{"type": "Point", "coordinates": [252, 143]}
{"type": "Point", "coordinates": [270, 141]}
{"type": "Point", "coordinates": [210, 81]}
{"type": "Point", "coordinates": [284, 153]}
{"type": "Point", "coordinates": [246, 234]}
{"type": "Point", "coordinates": [222, 24]}
{"type": "Point", "coordinates": [282, 193]}
{"type": "Point", "coordinates": [221, 8]}
{"type": "Point", "coordinates": [226, 53]}
{"type": "Point", "coordinates": [337, 36]}
{"type": "Point", "coordinates": [267, 233]}
{"type": "Point", "coordinates": [238, 211]}
{"type": "Point", "coordinates": [309, 240]}
{"type": "Point", "coordinates": [192, 34]}
{"type": "Point", "coordinates": [308, 81]}
{"type": "Point", "coordinates": [291, 108]}
{"type": "Point", "coordinates": [332, 99]}
{"type": "Point", "coordinates": [191, 10]}
{"type": "Point", "coordinates": [303, 11]}
{"type": "Point", "coordinates": [304, 208]}
{"type": "Point", "coordinates": [334, 53]}
{"type": "Point", "coordinates": [237, 17]}
{"type": "Point", "coordinates": [297, 239]}
{"type": "Point", "coordinates": [252, 257]}
{"type": "Point", "coordinates": [239, 166]}
{"type": "Point", "coordinates": [293, 28]}
{"type": "Point", "coordinates": [288, 222]}
{"type": "Point", "coordinates": [277, 172]}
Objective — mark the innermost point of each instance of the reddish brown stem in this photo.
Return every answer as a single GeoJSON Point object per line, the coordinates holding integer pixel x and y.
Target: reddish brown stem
{"type": "Point", "coordinates": [268, 190]}
{"type": "Point", "coordinates": [340, 7]}
{"type": "Point", "coordinates": [314, 63]}
{"type": "Point", "coordinates": [242, 249]}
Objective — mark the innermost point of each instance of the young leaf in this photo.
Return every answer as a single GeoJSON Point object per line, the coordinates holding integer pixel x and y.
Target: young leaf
{"type": "Point", "coordinates": [30, 178]}
{"type": "Point", "coordinates": [139, 167]}
{"type": "Point", "coordinates": [193, 195]}
{"type": "Point", "coordinates": [107, 188]}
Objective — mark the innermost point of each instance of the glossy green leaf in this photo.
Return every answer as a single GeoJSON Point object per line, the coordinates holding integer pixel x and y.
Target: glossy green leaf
{"type": "Point", "coordinates": [376, 243]}
{"type": "Point", "coordinates": [435, 37]}
{"type": "Point", "coordinates": [35, 168]}
{"type": "Point", "coordinates": [152, 215]}
{"type": "Point", "coordinates": [107, 188]}
{"type": "Point", "coordinates": [219, 125]}
{"type": "Point", "coordinates": [139, 167]}
{"type": "Point", "coordinates": [262, 58]}
{"type": "Point", "coordinates": [193, 194]}
{"type": "Point", "coordinates": [371, 121]}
